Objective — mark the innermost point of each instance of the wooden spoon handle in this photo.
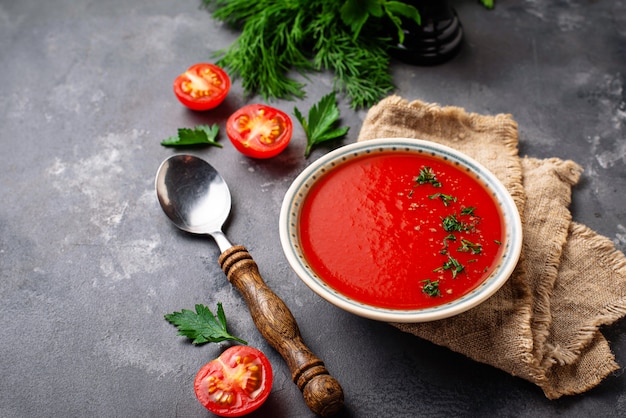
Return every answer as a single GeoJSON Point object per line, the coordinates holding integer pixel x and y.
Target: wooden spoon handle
{"type": "Point", "coordinates": [322, 393]}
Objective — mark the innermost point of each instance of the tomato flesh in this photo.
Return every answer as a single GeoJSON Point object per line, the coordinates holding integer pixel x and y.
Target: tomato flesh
{"type": "Point", "coordinates": [202, 87]}
{"type": "Point", "coordinates": [259, 131]}
{"type": "Point", "coordinates": [236, 383]}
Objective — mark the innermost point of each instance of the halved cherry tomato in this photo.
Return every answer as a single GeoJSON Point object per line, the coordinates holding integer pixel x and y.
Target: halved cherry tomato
{"type": "Point", "coordinates": [236, 383]}
{"type": "Point", "coordinates": [259, 131]}
{"type": "Point", "coordinates": [202, 87]}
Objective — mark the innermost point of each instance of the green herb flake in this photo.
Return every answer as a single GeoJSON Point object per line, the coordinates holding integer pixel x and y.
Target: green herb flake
{"type": "Point", "coordinates": [200, 135]}
{"type": "Point", "coordinates": [468, 246]}
{"type": "Point", "coordinates": [452, 224]}
{"type": "Point", "coordinates": [468, 210]}
{"type": "Point", "coordinates": [431, 288]}
{"type": "Point", "coordinates": [202, 326]}
{"type": "Point", "coordinates": [445, 198]}
{"type": "Point", "coordinates": [427, 176]}
{"type": "Point", "coordinates": [453, 265]}
{"type": "Point", "coordinates": [449, 237]}
{"type": "Point", "coordinates": [322, 119]}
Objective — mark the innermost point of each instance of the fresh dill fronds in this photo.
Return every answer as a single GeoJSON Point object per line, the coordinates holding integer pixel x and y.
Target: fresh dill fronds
{"type": "Point", "coordinates": [279, 38]}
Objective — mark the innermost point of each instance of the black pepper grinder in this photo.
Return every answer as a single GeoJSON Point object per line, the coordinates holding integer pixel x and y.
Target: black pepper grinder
{"type": "Point", "coordinates": [435, 41]}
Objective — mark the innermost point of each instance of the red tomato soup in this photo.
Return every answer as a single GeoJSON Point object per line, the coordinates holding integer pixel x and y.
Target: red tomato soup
{"type": "Point", "coordinates": [401, 230]}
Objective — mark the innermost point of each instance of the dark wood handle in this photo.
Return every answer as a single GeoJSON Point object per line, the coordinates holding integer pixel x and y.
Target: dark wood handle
{"type": "Point", "coordinates": [322, 393]}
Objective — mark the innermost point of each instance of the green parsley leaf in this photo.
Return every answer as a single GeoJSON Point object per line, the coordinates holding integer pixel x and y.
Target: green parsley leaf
{"type": "Point", "coordinates": [322, 119]}
{"type": "Point", "coordinates": [355, 13]}
{"type": "Point", "coordinates": [200, 135]}
{"type": "Point", "coordinates": [394, 9]}
{"type": "Point", "coordinates": [487, 3]}
{"type": "Point", "coordinates": [202, 326]}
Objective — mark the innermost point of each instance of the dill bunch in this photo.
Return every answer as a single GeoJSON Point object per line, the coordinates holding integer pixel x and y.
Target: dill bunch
{"type": "Point", "coordinates": [279, 37]}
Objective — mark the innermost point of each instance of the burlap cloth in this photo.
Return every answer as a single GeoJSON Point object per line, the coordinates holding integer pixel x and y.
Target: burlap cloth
{"type": "Point", "coordinates": [544, 323]}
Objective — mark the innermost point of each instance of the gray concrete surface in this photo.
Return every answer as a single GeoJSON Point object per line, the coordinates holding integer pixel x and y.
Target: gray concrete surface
{"type": "Point", "coordinates": [89, 264]}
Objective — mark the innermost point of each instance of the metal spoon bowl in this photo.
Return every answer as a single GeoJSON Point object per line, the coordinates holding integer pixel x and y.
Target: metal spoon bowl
{"type": "Point", "coordinates": [197, 200]}
{"type": "Point", "coordinates": [194, 196]}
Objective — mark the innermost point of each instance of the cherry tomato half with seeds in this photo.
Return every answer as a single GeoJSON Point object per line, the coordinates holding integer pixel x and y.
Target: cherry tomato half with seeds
{"type": "Point", "coordinates": [259, 131]}
{"type": "Point", "coordinates": [236, 383]}
{"type": "Point", "coordinates": [202, 87]}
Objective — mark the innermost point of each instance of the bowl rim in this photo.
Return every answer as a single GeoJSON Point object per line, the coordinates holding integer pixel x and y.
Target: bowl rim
{"type": "Point", "coordinates": [297, 191]}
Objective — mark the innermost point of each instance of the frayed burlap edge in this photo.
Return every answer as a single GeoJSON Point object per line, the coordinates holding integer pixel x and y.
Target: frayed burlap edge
{"type": "Point", "coordinates": [548, 187]}
{"type": "Point", "coordinates": [581, 359]}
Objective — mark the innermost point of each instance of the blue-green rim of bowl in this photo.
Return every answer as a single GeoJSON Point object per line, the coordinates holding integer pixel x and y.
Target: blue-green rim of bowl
{"type": "Point", "coordinates": [289, 233]}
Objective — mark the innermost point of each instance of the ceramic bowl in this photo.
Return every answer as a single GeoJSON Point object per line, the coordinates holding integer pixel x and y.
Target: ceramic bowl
{"type": "Point", "coordinates": [290, 233]}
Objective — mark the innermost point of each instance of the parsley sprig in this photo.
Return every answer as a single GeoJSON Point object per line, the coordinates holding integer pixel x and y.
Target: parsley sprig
{"type": "Point", "coordinates": [356, 12]}
{"type": "Point", "coordinates": [200, 135]}
{"type": "Point", "coordinates": [320, 126]}
{"type": "Point", "coordinates": [202, 326]}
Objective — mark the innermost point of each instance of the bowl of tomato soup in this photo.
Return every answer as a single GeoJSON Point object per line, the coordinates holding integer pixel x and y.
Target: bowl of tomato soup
{"type": "Point", "coordinates": [400, 230]}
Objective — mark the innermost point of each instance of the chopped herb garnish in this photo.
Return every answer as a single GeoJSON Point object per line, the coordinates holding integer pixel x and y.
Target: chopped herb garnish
{"type": "Point", "coordinates": [450, 237]}
{"type": "Point", "coordinates": [445, 198]}
{"type": "Point", "coordinates": [427, 176]}
{"type": "Point", "coordinates": [468, 210]}
{"type": "Point", "coordinates": [468, 246]}
{"type": "Point", "coordinates": [451, 224]}
{"type": "Point", "coordinates": [447, 238]}
{"type": "Point", "coordinates": [431, 288]}
{"type": "Point", "coordinates": [453, 265]}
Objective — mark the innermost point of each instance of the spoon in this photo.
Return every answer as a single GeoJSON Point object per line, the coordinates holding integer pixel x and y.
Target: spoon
{"type": "Point", "coordinates": [197, 200]}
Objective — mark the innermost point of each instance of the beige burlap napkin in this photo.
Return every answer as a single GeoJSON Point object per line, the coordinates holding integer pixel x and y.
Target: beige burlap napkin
{"type": "Point", "coordinates": [543, 324]}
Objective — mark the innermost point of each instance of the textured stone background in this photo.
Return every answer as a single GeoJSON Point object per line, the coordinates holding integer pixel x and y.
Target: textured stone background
{"type": "Point", "coordinates": [89, 264]}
